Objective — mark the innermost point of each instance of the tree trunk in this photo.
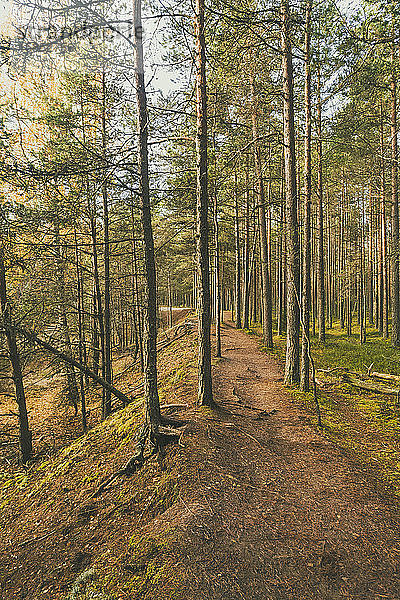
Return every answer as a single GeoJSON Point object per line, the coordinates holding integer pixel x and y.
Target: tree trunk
{"type": "Point", "coordinates": [205, 395]}
{"type": "Point", "coordinates": [265, 274]}
{"type": "Point", "coordinates": [395, 207]}
{"type": "Point", "coordinates": [238, 275]}
{"type": "Point", "coordinates": [246, 291]}
{"type": "Point", "coordinates": [292, 367]}
{"type": "Point", "coordinates": [72, 386]}
{"type": "Point", "coordinates": [82, 349]}
{"type": "Point", "coordinates": [217, 283]}
{"type": "Point", "coordinates": [152, 403]}
{"type": "Point", "coordinates": [384, 318]}
{"type": "Point", "coordinates": [306, 296]}
{"type": "Point", "coordinates": [321, 266]}
{"type": "Point", "coordinates": [107, 365]}
{"type": "Point", "coordinates": [25, 436]}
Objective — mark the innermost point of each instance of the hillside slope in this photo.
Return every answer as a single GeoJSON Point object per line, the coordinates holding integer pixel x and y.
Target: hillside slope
{"type": "Point", "coordinates": [252, 504]}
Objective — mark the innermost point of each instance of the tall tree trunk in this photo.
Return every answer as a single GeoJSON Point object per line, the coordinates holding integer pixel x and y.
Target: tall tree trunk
{"type": "Point", "coordinates": [292, 367]}
{"type": "Point", "coordinates": [246, 293]}
{"type": "Point", "coordinates": [152, 403]}
{"type": "Point", "coordinates": [217, 283]}
{"type": "Point", "coordinates": [370, 262]}
{"type": "Point", "coordinates": [384, 318]}
{"type": "Point", "coordinates": [72, 386]}
{"type": "Point", "coordinates": [81, 338]}
{"type": "Point", "coordinates": [97, 319]}
{"type": "Point", "coordinates": [135, 292]}
{"type": "Point", "coordinates": [266, 304]}
{"type": "Point", "coordinates": [170, 312]}
{"type": "Point", "coordinates": [205, 395]}
{"type": "Point", "coordinates": [107, 365]}
{"type": "Point", "coordinates": [341, 255]}
{"type": "Point", "coordinates": [321, 266]}
{"type": "Point", "coordinates": [306, 296]}
{"type": "Point", "coordinates": [238, 274]}
{"type": "Point", "coordinates": [361, 299]}
{"type": "Point", "coordinates": [395, 206]}
{"type": "Point", "coordinates": [25, 435]}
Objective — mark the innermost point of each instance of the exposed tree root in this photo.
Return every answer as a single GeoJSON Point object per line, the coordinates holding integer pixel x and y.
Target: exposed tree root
{"type": "Point", "coordinates": [150, 440]}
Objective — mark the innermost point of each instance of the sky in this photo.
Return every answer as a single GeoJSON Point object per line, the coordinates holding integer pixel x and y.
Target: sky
{"type": "Point", "coordinates": [4, 10]}
{"type": "Point", "coordinates": [160, 77]}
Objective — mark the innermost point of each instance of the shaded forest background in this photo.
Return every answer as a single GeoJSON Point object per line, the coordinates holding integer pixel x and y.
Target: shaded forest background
{"type": "Point", "coordinates": [286, 175]}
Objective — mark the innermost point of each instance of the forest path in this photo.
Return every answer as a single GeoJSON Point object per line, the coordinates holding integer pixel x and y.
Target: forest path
{"type": "Point", "coordinates": [283, 513]}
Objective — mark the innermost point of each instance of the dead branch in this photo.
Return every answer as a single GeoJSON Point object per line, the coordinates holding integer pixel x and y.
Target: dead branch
{"type": "Point", "coordinates": [385, 376]}
{"type": "Point", "coordinates": [369, 386]}
{"type": "Point", "coordinates": [32, 337]}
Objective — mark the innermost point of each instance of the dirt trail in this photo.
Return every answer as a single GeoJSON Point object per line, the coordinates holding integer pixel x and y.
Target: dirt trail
{"type": "Point", "coordinates": [259, 507]}
{"type": "Point", "coordinates": [281, 512]}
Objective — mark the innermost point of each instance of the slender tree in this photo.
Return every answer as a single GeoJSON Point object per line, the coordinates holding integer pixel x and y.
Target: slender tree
{"type": "Point", "coordinates": [205, 395]}
{"type": "Point", "coordinates": [152, 403]}
{"type": "Point", "coordinates": [395, 202]}
{"type": "Point", "coordinates": [292, 367]}
{"type": "Point", "coordinates": [306, 296]}
{"type": "Point", "coordinates": [321, 248]}
{"type": "Point", "coordinates": [25, 435]}
{"type": "Point", "coordinates": [266, 303]}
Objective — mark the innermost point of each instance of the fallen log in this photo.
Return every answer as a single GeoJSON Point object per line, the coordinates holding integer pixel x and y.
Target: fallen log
{"type": "Point", "coordinates": [385, 376]}
{"type": "Point", "coordinates": [369, 386]}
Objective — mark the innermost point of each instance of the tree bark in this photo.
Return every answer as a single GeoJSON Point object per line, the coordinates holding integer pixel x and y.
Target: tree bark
{"type": "Point", "coordinates": [321, 262]}
{"type": "Point", "coordinates": [205, 394]}
{"type": "Point", "coordinates": [246, 276]}
{"type": "Point", "coordinates": [107, 366]}
{"type": "Point", "coordinates": [217, 283]}
{"type": "Point", "coordinates": [266, 303]}
{"type": "Point", "coordinates": [152, 403]}
{"type": "Point", "coordinates": [306, 296]}
{"type": "Point", "coordinates": [81, 338]}
{"type": "Point", "coordinates": [292, 367]}
{"type": "Point", "coordinates": [395, 207]}
{"type": "Point", "coordinates": [25, 435]}
{"type": "Point", "coordinates": [72, 387]}
{"type": "Point", "coordinates": [384, 317]}
{"type": "Point", "coordinates": [238, 274]}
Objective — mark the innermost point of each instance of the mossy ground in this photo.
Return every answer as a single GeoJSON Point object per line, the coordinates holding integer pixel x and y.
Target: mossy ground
{"type": "Point", "coordinates": [365, 423]}
{"type": "Point", "coordinates": [238, 509]}
{"type": "Point", "coordinates": [54, 528]}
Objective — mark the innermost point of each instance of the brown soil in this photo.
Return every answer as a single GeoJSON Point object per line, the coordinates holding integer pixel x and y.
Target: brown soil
{"type": "Point", "coordinates": [266, 508]}
{"type": "Point", "coordinates": [177, 314]}
{"type": "Point", "coordinates": [285, 514]}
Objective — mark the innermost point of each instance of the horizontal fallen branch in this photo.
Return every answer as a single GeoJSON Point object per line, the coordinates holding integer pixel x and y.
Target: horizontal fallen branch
{"type": "Point", "coordinates": [32, 337]}
{"type": "Point", "coordinates": [369, 386]}
{"type": "Point", "coordinates": [385, 376]}
{"type": "Point", "coordinates": [327, 371]}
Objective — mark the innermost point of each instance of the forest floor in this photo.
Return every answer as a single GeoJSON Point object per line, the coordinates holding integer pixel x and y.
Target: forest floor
{"type": "Point", "coordinates": [365, 423]}
{"type": "Point", "coordinates": [253, 503]}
